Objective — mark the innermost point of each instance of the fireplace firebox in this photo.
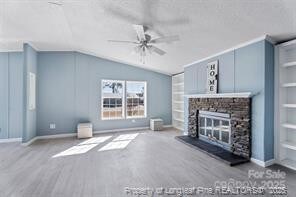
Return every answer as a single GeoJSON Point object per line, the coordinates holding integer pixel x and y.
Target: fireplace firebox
{"type": "Point", "coordinates": [215, 128]}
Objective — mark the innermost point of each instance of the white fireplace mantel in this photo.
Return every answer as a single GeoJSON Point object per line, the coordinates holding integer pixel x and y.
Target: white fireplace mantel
{"type": "Point", "coordinates": [221, 95]}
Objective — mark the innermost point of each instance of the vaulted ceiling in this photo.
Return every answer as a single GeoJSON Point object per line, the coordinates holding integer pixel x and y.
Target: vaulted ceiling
{"type": "Point", "coordinates": [205, 27]}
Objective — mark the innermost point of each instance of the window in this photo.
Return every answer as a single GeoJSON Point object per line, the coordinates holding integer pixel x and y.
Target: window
{"type": "Point", "coordinates": [122, 99]}
{"type": "Point", "coordinates": [135, 99]}
{"type": "Point", "coordinates": [112, 99]}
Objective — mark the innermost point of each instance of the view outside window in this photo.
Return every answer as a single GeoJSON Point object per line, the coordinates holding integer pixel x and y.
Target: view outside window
{"type": "Point", "coordinates": [135, 99]}
{"type": "Point", "coordinates": [112, 96]}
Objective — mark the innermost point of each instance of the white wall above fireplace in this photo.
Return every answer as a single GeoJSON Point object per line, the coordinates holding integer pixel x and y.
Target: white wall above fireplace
{"type": "Point", "coordinates": [221, 95]}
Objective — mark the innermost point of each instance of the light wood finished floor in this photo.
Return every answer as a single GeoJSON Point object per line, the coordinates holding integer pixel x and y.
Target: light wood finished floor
{"type": "Point", "coordinates": [152, 159]}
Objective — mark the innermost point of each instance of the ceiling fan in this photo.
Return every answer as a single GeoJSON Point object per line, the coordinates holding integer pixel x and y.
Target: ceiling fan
{"type": "Point", "coordinates": [145, 42]}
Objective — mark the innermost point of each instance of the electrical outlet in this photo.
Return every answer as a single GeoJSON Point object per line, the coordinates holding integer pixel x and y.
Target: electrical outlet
{"type": "Point", "coordinates": [52, 126]}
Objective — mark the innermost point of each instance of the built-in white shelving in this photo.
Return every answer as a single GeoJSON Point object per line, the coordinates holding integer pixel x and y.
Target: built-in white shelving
{"type": "Point", "coordinates": [178, 84]}
{"type": "Point", "coordinates": [289, 163]}
{"type": "Point", "coordinates": [285, 104]}
{"type": "Point", "coordinates": [178, 101]}
{"type": "Point", "coordinates": [289, 64]}
{"type": "Point", "coordinates": [289, 126]}
{"type": "Point", "coordinates": [289, 105]}
{"type": "Point", "coordinates": [287, 85]}
{"type": "Point", "coordinates": [179, 119]}
{"type": "Point", "coordinates": [178, 93]}
{"type": "Point", "coordinates": [179, 110]}
{"type": "Point", "coordinates": [290, 145]}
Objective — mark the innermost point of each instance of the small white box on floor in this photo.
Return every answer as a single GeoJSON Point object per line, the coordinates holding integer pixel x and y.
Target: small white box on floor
{"type": "Point", "coordinates": [156, 124]}
{"type": "Point", "coordinates": [84, 130]}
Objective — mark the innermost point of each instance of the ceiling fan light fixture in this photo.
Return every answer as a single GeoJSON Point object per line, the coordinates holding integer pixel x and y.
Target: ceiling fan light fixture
{"type": "Point", "coordinates": [145, 41]}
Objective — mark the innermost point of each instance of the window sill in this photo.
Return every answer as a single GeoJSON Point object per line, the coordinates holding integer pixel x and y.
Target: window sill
{"type": "Point", "coordinates": [136, 117]}
{"type": "Point", "coordinates": [113, 119]}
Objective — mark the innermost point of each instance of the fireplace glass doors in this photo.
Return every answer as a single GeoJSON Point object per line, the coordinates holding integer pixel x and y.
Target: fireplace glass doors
{"type": "Point", "coordinates": [215, 128]}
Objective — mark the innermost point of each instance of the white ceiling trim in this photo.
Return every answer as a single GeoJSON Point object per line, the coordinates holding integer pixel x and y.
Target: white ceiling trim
{"type": "Point", "coordinates": [10, 51]}
{"type": "Point", "coordinates": [264, 37]}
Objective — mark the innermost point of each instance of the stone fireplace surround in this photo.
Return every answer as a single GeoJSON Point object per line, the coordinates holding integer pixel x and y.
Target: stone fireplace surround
{"type": "Point", "coordinates": [238, 105]}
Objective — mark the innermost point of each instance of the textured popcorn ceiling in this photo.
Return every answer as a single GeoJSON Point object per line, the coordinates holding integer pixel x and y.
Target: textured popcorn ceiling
{"type": "Point", "coordinates": [205, 27]}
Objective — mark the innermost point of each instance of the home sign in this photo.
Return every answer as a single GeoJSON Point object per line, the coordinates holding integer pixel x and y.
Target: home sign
{"type": "Point", "coordinates": [212, 77]}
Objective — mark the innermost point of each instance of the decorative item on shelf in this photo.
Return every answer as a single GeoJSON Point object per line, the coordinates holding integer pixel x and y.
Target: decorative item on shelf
{"type": "Point", "coordinates": [212, 77]}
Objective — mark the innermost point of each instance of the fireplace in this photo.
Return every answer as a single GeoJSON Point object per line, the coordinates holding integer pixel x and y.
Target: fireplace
{"type": "Point", "coordinates": [215, 128]}
{"type": "Point", "coordinates": [223, 121]}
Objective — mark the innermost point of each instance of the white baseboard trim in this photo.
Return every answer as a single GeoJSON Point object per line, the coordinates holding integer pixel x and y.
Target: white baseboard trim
{"type": "Point", "coordinates": [168, 126]}
{"type": "Point", "coordinates": [64, 135]}
{"type": "Point", "coordinates": [29, 142]}
{"type": "Point", "coordinates": [10, 140]}
{"type": "Point", "coordinates": [263, 163]}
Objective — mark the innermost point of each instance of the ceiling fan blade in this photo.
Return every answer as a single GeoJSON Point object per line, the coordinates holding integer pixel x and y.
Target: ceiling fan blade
{"type": "Point", "coordinates": [123, 41]}
{"type": "Point", "coordinates": [156, 50]}
{"type": "Point", "coordinates": [55, 3]}
{"type": "Point", "coordinates": [140, 32]}
{"type": "Point", "coordinates": [165, 39]}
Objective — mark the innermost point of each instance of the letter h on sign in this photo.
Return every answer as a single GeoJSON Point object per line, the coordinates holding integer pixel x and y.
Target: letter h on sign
{"type": "Point", "coordinates": [212, 77]}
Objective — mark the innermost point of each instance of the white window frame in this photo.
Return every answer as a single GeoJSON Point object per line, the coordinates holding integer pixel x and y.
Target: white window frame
{"type": "Point", "coordinates": [123, 99]}
{"type": "Point", "coordinates": [145, 100]}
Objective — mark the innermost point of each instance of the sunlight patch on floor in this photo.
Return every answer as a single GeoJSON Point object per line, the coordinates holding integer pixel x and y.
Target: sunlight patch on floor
{"type": "Point", "coordinates": [126, 137]}
{"type": "Point", "coordinates": [119, 142]}
{"type": "Point", "coordinates": [115, 145]}
{"type": "Point", "coordinates": [95, 140]}
{"type": "Point", "coordinates": [83, 147]}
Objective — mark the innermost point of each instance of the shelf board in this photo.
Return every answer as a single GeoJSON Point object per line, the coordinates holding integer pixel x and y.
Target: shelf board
{"type": "Point", "coordinates": [179, 128]}
{"type": "Point", "coordinates": [287, 85]}
{"type": "Point", "coordinates": [180, 102]}
{"type": "Point", "coordinates": [179, 119]}
{"type": "Point", "coordinates": [289, 64]}
{"type": "Point", "coordinates": [289, 163]}
{"type": "Point", "coordinates": [178, 92]}
{"type": "Point", "coordinates": [289, 105]}
{"type": "Point", "coordinates": [289, 126]}
{"type": "Point", "coordinates": [178, 110]}
{"type": "Point", "coordinates": [178, 84]}
{"type": "Point", "coordinates": [289, 43]}
{"type": "Point", "coordinates": [289, 145]}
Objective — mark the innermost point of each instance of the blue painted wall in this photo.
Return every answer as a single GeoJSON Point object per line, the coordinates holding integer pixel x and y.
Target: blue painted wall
{"type": "Point", "coordinates": [29, 116]}
{"type": "Point", "coordinates": [69, 91]}
{"type": "Point", "coordinates": [247, 69]}
{"type": "Point", "coordinates": [269, 101]}
{"type": "Point", "coordinates": [11, 99]}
